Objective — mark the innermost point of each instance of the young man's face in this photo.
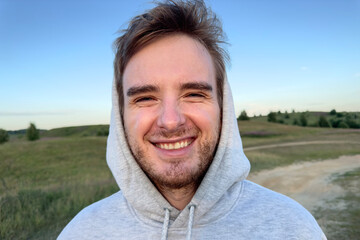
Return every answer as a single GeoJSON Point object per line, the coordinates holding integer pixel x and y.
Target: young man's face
{"type": "Point", "coordinates": [171, 110]}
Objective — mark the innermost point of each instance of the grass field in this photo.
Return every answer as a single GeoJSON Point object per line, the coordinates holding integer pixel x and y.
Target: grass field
{"type": "Point", "coordinates": [45, 183]}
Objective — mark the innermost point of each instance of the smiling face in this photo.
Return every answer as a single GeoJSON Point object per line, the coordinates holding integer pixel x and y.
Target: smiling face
{"type": "Point", "coordinates": [171, 111]}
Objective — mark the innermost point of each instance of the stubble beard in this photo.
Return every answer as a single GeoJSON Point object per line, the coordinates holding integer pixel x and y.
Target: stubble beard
{"type": "Point", "coordinates": [177, 176]}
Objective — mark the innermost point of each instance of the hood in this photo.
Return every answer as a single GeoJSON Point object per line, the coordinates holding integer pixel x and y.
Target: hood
{"type": "Point", "coordinates": [213, 197]}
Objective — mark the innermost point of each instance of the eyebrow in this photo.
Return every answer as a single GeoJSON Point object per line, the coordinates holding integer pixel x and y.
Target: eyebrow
{"type": "Point", "coordinates": [142, 89]}
{"type": "Point", "coordinates": [197, 85]}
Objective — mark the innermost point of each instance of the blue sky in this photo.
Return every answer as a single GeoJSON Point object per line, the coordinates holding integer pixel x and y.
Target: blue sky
{"type": "Point", "coordinates": [56, 57]}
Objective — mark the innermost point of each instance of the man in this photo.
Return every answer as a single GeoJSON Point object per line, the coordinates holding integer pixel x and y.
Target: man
{"type": "Point", "coordinates": [174, 147]}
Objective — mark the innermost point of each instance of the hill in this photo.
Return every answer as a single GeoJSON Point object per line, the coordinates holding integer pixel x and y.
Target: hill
{"type": "Point", "coordinates": [79, 131]}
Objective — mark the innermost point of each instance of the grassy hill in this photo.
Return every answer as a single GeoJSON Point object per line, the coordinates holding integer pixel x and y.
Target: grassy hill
{"type": "Point", "coordinates": [43, 184]}
{"type": "Point", "coordinates": [79, 131]}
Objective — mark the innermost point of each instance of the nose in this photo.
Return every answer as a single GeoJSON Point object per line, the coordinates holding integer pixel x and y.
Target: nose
{"type": "Point", "coordinates": [171, 116]}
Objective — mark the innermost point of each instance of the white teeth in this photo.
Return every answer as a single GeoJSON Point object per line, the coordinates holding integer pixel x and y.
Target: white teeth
{"type": "Point", "coordinates": [171, 146]}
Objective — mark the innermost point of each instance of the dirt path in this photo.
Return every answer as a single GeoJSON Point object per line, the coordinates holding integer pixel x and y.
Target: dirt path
{"type": "Point", "coordinates": [307, 182]}
{"type": "Point", "coordinates": [296, 144]}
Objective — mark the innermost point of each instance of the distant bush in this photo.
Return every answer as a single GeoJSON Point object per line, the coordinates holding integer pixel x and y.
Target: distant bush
{"type": "Point", "coordinates": [271, 117]}
{"type": "Point", "coordinates": [333, 112]}
{"type": "Point", "coordinates": [352, 123]}
{"type": "Point", "coordinates": [339, 115]}
{"type": "Point", "coordinates": [4, 136]}
{"type": "Point", "coordinates": [103, 132]}
{"type": "Point", "coordinates": [32, 133]}
{"type": "Point", "coordinates": [343, 125]}
{"type": "Point", "coordinates": [350, 120]}
{"type": "Point", "coordinates": [243, 116]}
{"type": "Point", "coordinates": [287, 116]}
{"type": "Point", "coordinates": [335, 122]}
{"type": "Point", "coordinates": [296, 122]}
{"type": "Point", "coordinates": [323, 122]}
{"type": "Point", "coordinates": [303, 120]}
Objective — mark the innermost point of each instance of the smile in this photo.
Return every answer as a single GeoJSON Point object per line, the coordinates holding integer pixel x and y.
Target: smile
{"type": "Point", "coordinates": [175, 145]}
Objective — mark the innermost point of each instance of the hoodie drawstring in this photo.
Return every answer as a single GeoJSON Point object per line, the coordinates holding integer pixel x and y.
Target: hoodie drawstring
{"type": "Point", "coordinates": [165, 227]}
{"type": "Point", "coordinates": [190, 223]}
{"type": "Point", "coordinates": [165, 224]}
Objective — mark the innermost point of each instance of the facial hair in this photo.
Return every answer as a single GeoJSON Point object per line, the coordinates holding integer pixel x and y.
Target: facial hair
{"type": "Point", "coordinates": [177, 176]}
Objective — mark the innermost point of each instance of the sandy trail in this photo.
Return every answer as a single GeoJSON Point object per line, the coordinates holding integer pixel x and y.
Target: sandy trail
{"type": "Point", "coordinates": [307, 182]}
{"type": "Point", "coordinates": [296, 144]}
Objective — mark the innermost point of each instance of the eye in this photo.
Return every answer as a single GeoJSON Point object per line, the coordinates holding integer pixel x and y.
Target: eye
{"type": "Point", "coordinates": [196, 95]}
{"type": "Point", "coordinates": [143, 99]}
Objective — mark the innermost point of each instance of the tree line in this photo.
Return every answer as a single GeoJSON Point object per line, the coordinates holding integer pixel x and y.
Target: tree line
{"type": "Point", "coordinates": [32, 134]}
{"type": "Point", "coordinates": [330, 119]}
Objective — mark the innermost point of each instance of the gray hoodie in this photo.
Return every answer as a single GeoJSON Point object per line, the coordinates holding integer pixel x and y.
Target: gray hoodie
{"type": "Point", "coordinates": [225, 206]}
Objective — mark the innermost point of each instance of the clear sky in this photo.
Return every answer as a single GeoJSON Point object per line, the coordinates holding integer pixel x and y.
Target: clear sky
{"type": "Point", "coordinates": [56, 57]}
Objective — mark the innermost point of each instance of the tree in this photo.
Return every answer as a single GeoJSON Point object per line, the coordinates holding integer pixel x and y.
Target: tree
{"type": "Point", "coordinates": [243, 116]}
{"type": "Point", "coordinates": [296, 122]}
{"type": "Point", "coordinates": [303, 120]}
{"type": "Point", "coordinates": [323, 122]}
{"type": "Point", "coordinates": [4, 136]}
{"type": "Point", "coordinates": [271, 117]}
{"type": "Point", "coordinates": [333, 112]}
{"type": "Point", "coordinates": [32, 133]}
{"type": "Point", "coordinates": [287, 116]}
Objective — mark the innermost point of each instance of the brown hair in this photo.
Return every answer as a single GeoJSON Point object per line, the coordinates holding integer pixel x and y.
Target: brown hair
{"type": "Point", "coordinates": [192, 18]}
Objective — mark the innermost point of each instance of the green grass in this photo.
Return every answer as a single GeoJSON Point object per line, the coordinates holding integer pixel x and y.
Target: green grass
{"type": "Point", "coordinates": [44, 184]}
{"type": "Point", "coordinates": [340, 217]}
{"type": "Point", "coordinates": [270, 133]}
{"type": "Point", "coordinates": [282, 156]}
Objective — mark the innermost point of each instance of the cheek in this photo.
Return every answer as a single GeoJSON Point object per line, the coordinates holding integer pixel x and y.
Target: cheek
{"type": "Point", "coordinates": [138, 122]}
{"type": "Point", "coordinates": [206, 118]}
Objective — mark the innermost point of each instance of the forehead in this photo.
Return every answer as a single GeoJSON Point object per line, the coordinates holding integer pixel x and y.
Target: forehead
{"type": "Point", "coordinates": [170, 60]}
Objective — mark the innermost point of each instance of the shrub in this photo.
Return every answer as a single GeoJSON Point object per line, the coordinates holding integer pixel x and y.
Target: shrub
{"type": "Point", "coordinates": [4, 136]}
{"type": "Point", "coordinates": [303, 120]}
{"type": "Point", "coordinates": [343, 125]}
{"type": "Point", "coordinates": [335, 122]}
{"type": "Point", "coordinates": [323, 122]}
{"type": "Point", "coordinates": [339, 115]}
{"type": "Point", "coordinates": [32, 133]}
{"type": "Point", "coordinates": [271, 117]}
{"type": "Point", "coordinates": [296, 122]}
{"type": "Point", "coordinates": [243, 116]}
{"type": "Point", "coordinates": [333, 112]}
{"type": "Point", "coordinates": [352, 123]}
{"type": "Point", "coordinates": [287, 116]}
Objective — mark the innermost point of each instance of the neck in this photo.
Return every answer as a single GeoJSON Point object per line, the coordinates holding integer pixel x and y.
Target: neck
{"type": "Point", "coordinates": [180, 197]}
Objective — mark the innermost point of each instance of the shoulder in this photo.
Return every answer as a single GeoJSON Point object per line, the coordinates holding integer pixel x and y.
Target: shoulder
{"type": "Point", "coordinates": [103, 214]}
{"type": "Point", "coordinates": [276, 213]}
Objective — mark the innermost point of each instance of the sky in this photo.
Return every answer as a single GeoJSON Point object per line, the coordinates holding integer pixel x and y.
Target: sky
{"type": "Point", "coordinates": [56, 57]}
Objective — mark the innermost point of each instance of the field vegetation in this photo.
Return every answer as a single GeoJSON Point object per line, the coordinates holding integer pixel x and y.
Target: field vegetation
{"type": "Point", "coordinates": [330, 119]}
{"type": "Point", "coordinates": [44, 183]}
{"type": "Point", "coordinates": [341, 216]}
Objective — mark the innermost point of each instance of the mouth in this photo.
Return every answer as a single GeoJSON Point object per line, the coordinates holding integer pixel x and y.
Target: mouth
{"type": "Point", "coordinates": [174, 145]}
